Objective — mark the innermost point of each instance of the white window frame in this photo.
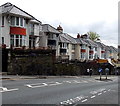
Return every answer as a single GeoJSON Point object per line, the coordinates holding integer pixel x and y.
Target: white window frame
{"type": "Point", "coordinates": [83, 46]}
{"type": "Point", "coordinates": [14, 20]}
{"type": "Point", "coordinates": [82, 55]}
{"type": "Point", "coordinates": [21, 40]}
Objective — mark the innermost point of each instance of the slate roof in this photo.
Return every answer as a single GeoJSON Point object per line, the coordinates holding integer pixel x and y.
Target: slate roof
{"type": "Point", "coordinates": [90, 43]}
{"type": "Point", "coordinates": [63, 37]}
{"type": "Point", "coordinates": [49, 28]}
{"type": "Point", "coordinates": [113, 49]}
{"type": "Point", "coordinates": [80, 41]}
{"type": "Point", "coordinates": [100, 44]}
{"type": "Point", "coordinates": [107, 48]}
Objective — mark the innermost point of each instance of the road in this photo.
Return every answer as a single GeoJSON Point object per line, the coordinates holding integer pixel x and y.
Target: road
{"type": "Point", "coordinates": [60, 91]}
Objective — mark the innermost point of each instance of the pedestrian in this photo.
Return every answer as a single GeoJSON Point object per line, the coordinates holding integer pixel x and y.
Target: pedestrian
{"type": "Point", "coordinates": [90, 72]}
{"type": "Point", "coordinates": [106, 71]}
{"type": "Point", "coordinates": [100, 71]}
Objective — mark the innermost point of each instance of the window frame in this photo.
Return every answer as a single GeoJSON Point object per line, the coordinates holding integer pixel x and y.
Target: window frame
{"type": "Point", "coordinates": [21, 39]}
{"type": "Point", "coordinates": [3, 20]}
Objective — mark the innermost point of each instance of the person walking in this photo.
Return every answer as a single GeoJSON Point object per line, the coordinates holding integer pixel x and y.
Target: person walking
{"type": "Point", "coordinates": [100, 71]}
{"type": "Point", "coordinates": [90, 72]}
{"type": "Point", "coordinates": [106, 71]}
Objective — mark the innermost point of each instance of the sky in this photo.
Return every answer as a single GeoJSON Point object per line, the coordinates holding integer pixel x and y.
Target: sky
{"type": "Point", "coordinates": [76, 16]}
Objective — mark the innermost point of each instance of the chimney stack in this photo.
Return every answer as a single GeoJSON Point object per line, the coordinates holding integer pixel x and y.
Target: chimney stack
{"type": "Point", "coordinates": [78, 36]}
{"type": "Point", "coordinates": [60, 29]}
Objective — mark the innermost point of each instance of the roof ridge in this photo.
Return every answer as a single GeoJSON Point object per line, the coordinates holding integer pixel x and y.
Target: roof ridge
{"type": "Point", "coordinates": [51, 26]}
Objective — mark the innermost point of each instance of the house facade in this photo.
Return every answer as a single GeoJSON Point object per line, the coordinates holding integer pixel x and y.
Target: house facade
{"type": "Point", "coordinates": [19, 30]}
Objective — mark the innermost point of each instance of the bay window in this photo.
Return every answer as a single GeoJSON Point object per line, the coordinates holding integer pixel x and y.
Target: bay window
{"type": "Point", "coordinates": [17, 40]}
{"type": "Point", "coordinates": [82, 55]}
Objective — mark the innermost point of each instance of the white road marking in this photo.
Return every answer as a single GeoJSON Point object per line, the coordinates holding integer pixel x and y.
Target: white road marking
{"type": "Point", "coordinates": [68, 81]}
{"type": "Point", "coordinates": [93, 96]}
{"type": "Point", "coordinates": [109, 90]}
{"type": "Point", "coordinates": [56, 83]}
{"type": "Point", "coordinates": [29, 86]}
{"type": "Point", "coordinates": [3, 89]}
{"type": "Point", "coordinates": [104, 91]}
{"type": "Point", "coordinates": [6, 89]}
{"type": "Point", "coordinates": [84, 100]}
{"type": "Point", "coordinates": [77, 81]}
{"type": "Point", "coordinates": [84, 81]}
{"type": "Point", "coordinates": [73, 100]}
{"type": "Point", "coordinates": [36, 85]}
{"type": "Point", "coordinates": [93, 92]}
{"type": "Point", "coordinates": [112, 90]}
{"type": "Point", "coordinates": [99, 93]}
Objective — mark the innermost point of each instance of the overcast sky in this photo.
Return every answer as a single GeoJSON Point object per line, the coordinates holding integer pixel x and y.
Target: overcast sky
{"type": "Point", "coordinates": [76, 16]}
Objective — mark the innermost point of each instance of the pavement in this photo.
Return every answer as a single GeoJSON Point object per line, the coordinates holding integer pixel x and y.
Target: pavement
{"type": "Point", "coordinates": [60, 91]}
{"type": "Point", "coordinates": [18, 77]}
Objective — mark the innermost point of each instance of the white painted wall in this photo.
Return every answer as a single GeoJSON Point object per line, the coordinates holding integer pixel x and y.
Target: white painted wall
{"type": "Point", "coordinates": [87, 52]}
{"type": "Point", "coordinates": [36, 29]}
{"type": "Point", "coordinates": [77, 51]}
{"type": "Point", "coordinates": [70, 51]}
{"type": "Point", "coordinates": [99, 52]}
{"type": "Point", "coordinates": [5, 32]}
{"type": "Point", "coordinates": [43, 41]}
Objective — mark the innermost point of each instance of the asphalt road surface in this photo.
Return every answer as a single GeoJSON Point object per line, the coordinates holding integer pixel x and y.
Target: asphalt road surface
{"type": "Point", "coordinates": [60, 91]}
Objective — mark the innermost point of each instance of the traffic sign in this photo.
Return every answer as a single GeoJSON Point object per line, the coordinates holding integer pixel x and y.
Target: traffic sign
{"type": "Point", "coordinates": [100, 70]}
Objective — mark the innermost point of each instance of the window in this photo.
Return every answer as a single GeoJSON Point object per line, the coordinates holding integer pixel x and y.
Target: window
{"type": "Point", "coordinates": [32, 42]}
{"type": "Point", "coordinates": [73, 56]}
{"type": "Point", "coordinates": [17, 40]}
{"type": "Point", "coordinates": [2, 20]}
{"type": "Point", "coordinates": [21, 21]}
{"type": "Point", "coordinates": [60, 44]}
{"type": "Point", "coordinates": [17, 21]}
{"type": "Point", "coordinates": [12, 21]}
{"type": "Point", "coordinates": [73, 47]}
{"type": "Point", "coordinates": [83, 47]}
{"type": "Point", "coordinates": [2, 40]}
{"type": "Point", "coordinates": [20, 40]}
{"type": "Point", "coordinates": [32, 29]}
{"type": "Point", "coordinates": [102, 55]}
{"type": "Point", "coordinates": [95, 48]}
{"type": "Point", "coordinates": [23, 40]}
{"type": "Point", "coordinates": [82, 55]}
{"type": "Point", "coordinates": [90, 56]}
{"type": "Point", "coordinates": [65, 45]}
{"type": "Point", "coordinates": [12, 40]}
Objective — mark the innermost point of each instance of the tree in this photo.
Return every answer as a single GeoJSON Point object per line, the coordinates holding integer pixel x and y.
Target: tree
{"type": "Point", "coordinates": [93, 35]}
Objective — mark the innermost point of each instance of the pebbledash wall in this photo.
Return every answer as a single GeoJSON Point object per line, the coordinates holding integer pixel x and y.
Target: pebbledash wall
{"type": "Point", "coordinates": [20, 30]}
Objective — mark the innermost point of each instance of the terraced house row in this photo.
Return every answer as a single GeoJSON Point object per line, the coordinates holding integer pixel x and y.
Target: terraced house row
{"type": "Point", "coordinates": [20, 30]}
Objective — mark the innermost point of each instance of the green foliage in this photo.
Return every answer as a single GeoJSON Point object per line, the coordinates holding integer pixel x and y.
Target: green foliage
{"type": "Point", "coordinates": [93, 35]}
